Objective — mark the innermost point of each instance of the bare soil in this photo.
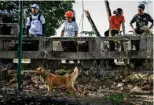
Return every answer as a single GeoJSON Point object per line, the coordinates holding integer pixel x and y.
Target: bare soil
{"type": "Point", "coordinates": [120, 88]}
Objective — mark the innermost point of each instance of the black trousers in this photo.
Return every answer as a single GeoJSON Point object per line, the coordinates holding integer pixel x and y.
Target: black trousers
{"type": "Point", "coordinates": [112, 43]}
{"type": "Point", "coordinates": [136, 43]}
{"type": "Point", "coordinates": [112, 46]}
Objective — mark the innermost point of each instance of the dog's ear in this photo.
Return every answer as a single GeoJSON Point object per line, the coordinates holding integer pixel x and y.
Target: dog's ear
{"type": "Point", "coordinates": [75, 69]}
{"type": "Point", "coordinates": [40, 65]}
{"type": "Point", "coordinates": [42, 69]}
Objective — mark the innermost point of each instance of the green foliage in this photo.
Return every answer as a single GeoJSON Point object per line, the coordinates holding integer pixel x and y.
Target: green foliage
{"type": "Point", "coordinates": [90, 33]}
{"type": "Point", "coordinates": [116, 98]}
{"type": "Point", "coordinates": [53, 11]}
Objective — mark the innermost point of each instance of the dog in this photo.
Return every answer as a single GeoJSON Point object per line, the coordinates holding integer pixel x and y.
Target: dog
{"type": "Point", "coordinates": [56, 81]}
{"type": "Point", "coordinates": [145, 30]}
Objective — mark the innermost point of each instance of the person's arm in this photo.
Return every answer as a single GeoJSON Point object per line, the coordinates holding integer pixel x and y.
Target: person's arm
{"type": "Point", "coordinates": [27, 31]}
{"type": "Point", "coordinates": [63, 29]}
{"type": "Point", "coordinates": [43, 29]}
{"type": "Point", "coordinates": [76, 30]}
{"type": "Point", "coordinates": [123, 25]}
{"type": "Point", "coordinates": [43, 24]}
{"type": "Point", "coordinates": [131, 23]}
{"type": "Point", "coordinates": [151, 26]}
{"type": "Point", "coordinates": [110, 35]}
{"type": "Point", "coordinates": [76, 33]}
{"type": "Point", "coordinates": [151, 20]}
{"type": "Point", "coordinates": [110, 23]}
{"type": "Point", "coordinates": [28, 25]}
{"type": "Point", "coordinates": [62, 33]}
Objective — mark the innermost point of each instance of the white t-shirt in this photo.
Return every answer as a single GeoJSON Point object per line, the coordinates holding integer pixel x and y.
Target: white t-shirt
{"type": "Point", "coordinates": [69, 28]}
{"type": "Point", "coordinates": [36, 25]}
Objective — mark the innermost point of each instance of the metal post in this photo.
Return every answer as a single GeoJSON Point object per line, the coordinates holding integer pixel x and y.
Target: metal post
{"type": "Point", "coordinates": [20, 46]}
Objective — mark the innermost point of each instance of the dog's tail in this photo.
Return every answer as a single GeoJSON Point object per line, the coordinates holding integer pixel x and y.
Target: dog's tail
{"type": "Point", "coordinates": [75, 73]}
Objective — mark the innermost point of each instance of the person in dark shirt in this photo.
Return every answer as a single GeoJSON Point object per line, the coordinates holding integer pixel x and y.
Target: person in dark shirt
{"type": "Point", "coordinates": [141, 19]}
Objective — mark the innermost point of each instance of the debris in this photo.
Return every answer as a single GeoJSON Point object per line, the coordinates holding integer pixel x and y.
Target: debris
{"type": "Point", "coordinates": [120, 85]}
{"type": "Point", "coordinates": [136, 89]}
{"type": "Point", "coordinates": [88, 84]}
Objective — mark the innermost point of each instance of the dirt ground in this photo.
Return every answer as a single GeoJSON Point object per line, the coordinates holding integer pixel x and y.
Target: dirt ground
{"type": "Point", "coordinates": [111, 88]}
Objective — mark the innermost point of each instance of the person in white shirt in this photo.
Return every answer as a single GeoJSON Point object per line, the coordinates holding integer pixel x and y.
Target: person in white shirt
{"type": "Point", "coordinates": [36, 22]}
{"type": "Point", "coordinates": [70, 27]}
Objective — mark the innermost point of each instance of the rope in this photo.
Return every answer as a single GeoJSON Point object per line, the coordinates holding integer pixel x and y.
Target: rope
{"type": "Point", "coordinates": [44, 41]}
{"type": "Point", "coordinates": [77, 45]}
{"type": "Point", "coordinates": [82, 15]}
{"type": "Point", "coordinates": [82, 26]}
{"type": "Point", "coordinates": [82, 20]}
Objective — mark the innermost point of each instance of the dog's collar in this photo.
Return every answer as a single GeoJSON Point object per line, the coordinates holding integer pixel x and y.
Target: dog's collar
{"type": "Point", "coordinates": [45, 75]}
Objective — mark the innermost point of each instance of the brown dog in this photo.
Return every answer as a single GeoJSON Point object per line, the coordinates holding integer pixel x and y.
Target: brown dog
{"type": "Point", "coordinates": [56, 81]}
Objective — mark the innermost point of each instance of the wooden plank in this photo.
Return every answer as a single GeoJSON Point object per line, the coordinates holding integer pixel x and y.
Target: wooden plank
{"type": "Point", "coordinates": [72, 55]}
{"type": "Point", "coordinates": [42, 42]}
{"type": "Point", "coordinates": [149, 45]}
{"type": "Point", "coordinates": [47, 38]}
{"type": "Point", "coordinates": [70, 38]}
{"type": "Point", "coordinates": [98, 48]}
{"type": "Point", "coordinates": [95, 55]}
{"type": "Point", "coordinates": [94, 28]}
{"type": "Point", "coordinates": [108, 10]}
{"type": "Point", "coordinates": [11, 37]}
{"type": "Point", "coordinates": [91, 45]}
{"type": "Point", "coordinates": [49, 45]}
{"type": "Point", "coordinates": [143, 43]}
{"type": "Point", "coordinates": [125, 37]}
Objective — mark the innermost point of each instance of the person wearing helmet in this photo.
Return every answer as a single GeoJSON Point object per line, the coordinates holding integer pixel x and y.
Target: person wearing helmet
{"type": "Point", "coordinates": [70, 27]}
{"type": "Point", "coordinates": [36, 22]}
{"type": "Point", "coordinates": [141, 19]}
{"type": "Point", "coordinates": [115, 23]}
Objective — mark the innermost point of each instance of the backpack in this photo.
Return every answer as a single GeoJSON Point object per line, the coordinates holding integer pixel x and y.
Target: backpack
{"type": "Point", "coordinates": [39, 16]}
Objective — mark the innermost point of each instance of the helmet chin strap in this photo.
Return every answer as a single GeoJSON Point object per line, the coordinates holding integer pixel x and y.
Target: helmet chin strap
{"type": "Point", "coordinates": [69, 21]}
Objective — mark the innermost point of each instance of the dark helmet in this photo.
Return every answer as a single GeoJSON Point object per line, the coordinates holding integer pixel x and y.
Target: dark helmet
{"type": "Point", "coordinates": [142, 6]}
